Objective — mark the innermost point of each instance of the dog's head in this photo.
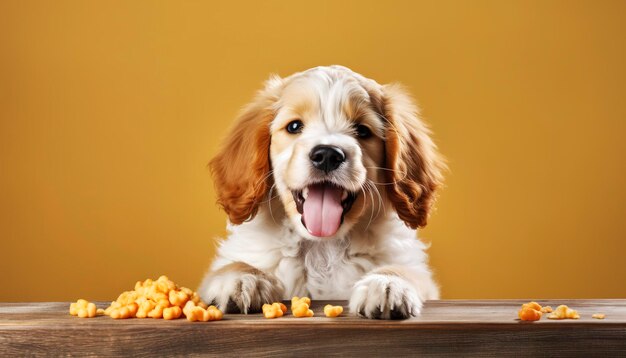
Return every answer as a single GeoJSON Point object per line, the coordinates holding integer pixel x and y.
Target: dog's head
{"type": "Point", "coordinates": [334, 147]}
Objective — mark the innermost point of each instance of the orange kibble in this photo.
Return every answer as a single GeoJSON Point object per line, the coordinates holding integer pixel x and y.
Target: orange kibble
{"type": "Point", "coordinates": [74, 309]}
{"type": "Point", "coordinates": [83, 309]}
{"type": "Point", "coordinates": [296, 300]}
{"type": "Point", "coordinates": [132, 309]}
{"type": "Point", "coordinates": [534, 305]}
{"type": "Point", "coordinates": [529, 314]}
{"type": "Point", "coordinates": [160, 298]}
{"type": "Point", "coordinates": [157, 311]}
{"type": "Point", "coordinates": [82, 313]}
{"type": "Point", "coordinates": [214, 313]}
{"type": "Point", "coordinates": [546, 309]}
{"type": "Point", "coordinates": [197, 313]}
{"type": "Point", "coordinates": [274, 310]}
{"type": "Point", "coordinates": [564, 312]}
{"type": "Point", "coordinates": [172, 312]}
{"type": "Point", "coordinates": [300, 307]}
{"type": "Point", "coordinates": [302, 311]}
{"type": "Point", "coordinates": [145, 307]}
{"type": "Point", "coordinates": [332, 311]}
{"type": "Point", "coordinates": [178, 298]}
{"type": "Point", "coordinates": [121, 313]}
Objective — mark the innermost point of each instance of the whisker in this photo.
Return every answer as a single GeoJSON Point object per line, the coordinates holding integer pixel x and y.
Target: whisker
{"type": "Point", "coordinates": [372, 209]}
{"type": "Point", "coordinates": [264, 178]}
{"type": "Point", "coordinates": [258, 183]}
{"type": "Point", "coordinates": [363, 207]}
{"type": "Point", "coordinates": [380, 199]}
{"type": "Point", "coordinates": [269, 203]}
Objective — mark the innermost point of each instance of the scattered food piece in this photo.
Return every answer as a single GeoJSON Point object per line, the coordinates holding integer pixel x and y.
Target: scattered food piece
{"type": "Point", "coordinates": [120, 311]}
{"type": "Point", "coordinates": [598, 315]}
{"type": "Point", "coordinates": [529, 314]}
{"type": "Point", "coordinates": [564, 312]}
{"type": "Point", "coordinates": [274, 310]}
{"type": "Point", "coordinates": [530, 311]}
{"type": "Point", "coordinates": [83, 309]}
{"type": "Point", "coordinates": [546, 309]}
{"type": "Point", "coordinates": [332, 311]}
{"type": "Point", "coordinates": [300, 307]}
{"type": "Point", "coordinates": [532, 304]}
{"type": "Point", "coordinates": [178, 298]}
{"type": "Point", "coordinates": [172, 312]}
{"type": "Point", "coordinates": [198, 313]}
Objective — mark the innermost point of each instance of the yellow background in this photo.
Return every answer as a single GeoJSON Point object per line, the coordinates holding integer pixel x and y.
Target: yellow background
{"type": "Point", "coordinates": [111, 110]}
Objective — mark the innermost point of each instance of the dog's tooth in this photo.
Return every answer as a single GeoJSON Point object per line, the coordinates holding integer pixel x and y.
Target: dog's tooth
{"type": "Point", "coordinates": [305, 193]}
{"type": "Point", "coordinates": [344, 196]}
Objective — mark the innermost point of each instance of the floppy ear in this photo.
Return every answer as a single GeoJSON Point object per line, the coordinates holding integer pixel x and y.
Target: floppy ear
{"type": "Point", "coordinates": [241, 167]}
{"type": "Point", "coordinates": [410, 154]}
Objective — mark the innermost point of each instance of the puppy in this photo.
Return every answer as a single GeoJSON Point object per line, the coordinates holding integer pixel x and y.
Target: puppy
{"type": "Point", "coordinates": [325, 177]}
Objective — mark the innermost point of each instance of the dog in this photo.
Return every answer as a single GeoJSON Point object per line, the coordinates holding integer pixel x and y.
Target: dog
{"type": "Point", "coordinates": [326, 176]}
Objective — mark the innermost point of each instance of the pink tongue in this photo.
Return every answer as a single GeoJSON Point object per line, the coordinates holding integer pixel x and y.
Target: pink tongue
{"type": "Point", "coordinates": [322, 210]}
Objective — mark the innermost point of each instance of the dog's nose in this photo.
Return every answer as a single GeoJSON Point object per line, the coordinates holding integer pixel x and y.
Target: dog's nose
{"type": "Point", "coordinates": [326, 157]}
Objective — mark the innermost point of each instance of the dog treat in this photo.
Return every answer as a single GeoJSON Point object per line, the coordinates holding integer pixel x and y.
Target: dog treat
{"type": "Point", "coordinates": [198, 313]}
{"type": "Point", "coordinates": [155, 299]}
{"type": "Point", "coordinates": [598, 315]}
{"type": "Point", "coordinates": [530, 311]}
{"type": "Point", "coordinates": [172, 312]}
{"type": "Point", "coordinates": [546, 309]}
{"type": "Point", "coordinates": [123, 311]}
{"type": "Point", "coordinates": [532, 304]}
{"type": "Point", "coordinates": [529, 314]}
{"type": "Point", "coordinates": [83, 309]}
{"type": "Point", "coordinates": [274, 310]}
{"type": "Point", "coordinates": [178, 298]}
{"type": "Point", "coordinates": [298, 300]}
{"type": "Point", "coordinates": [157, 311]}
{"type": "Point", "coordinates": [564, 312]}
{"type": "Point", "coordinates": [300, 307]}
{"type": "Point", "coordinates": [145, 307]}
{"type": "Point", "coordinates": [332, 311]}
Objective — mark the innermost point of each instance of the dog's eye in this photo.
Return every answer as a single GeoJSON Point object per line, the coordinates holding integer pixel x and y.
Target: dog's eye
{"type": "Point", "coordinates": [363, 131]}
{"type": "Point", "coordinates": [295, 127]}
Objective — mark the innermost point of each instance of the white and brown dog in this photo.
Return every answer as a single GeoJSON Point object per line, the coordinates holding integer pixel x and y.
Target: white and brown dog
{"type": "Point", "coordinates": [325, 178]}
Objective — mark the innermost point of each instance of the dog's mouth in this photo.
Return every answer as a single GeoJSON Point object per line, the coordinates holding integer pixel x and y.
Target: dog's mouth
{"type": "Point", "coordinates": [323, 207]}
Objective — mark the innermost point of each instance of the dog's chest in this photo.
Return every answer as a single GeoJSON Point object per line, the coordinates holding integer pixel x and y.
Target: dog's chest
{"type": "Point", "coordinates": [323, 270]}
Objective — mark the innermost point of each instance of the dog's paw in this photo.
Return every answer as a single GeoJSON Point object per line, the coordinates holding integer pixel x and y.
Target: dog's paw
{"type": "Point", "coordinates": [382, 296]}
{"type": "Point", "coordinates": [240, 288]}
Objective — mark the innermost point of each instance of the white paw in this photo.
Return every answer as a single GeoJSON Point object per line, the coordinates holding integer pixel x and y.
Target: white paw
{"type": "Point", "coordinates": [382, 296]}
{"type": "Point", "coordinates": [241, 291]}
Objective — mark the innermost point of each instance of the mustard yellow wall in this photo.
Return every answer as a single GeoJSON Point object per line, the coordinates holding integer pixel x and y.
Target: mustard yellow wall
{"type": "Point", "coordinates": [110, 111]}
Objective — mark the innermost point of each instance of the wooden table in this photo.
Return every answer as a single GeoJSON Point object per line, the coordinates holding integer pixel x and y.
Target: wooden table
{"type": "Point", "coordinates": [449, 327]}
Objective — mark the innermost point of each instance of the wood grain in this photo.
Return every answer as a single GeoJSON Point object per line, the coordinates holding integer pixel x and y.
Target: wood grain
{"type": "Point", "coordinates": [457, 327]}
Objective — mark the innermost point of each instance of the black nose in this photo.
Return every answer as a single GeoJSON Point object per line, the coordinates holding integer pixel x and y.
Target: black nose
{"type": "Point", "coordinates": [327, 158]}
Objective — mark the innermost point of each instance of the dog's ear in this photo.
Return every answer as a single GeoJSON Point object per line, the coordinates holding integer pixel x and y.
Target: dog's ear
{"type": "Point", "coordinates": [242, 166]}
{"type": "Point", "coordinates": [413, 163]}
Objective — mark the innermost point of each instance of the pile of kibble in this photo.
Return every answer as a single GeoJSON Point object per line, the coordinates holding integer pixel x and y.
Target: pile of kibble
{"type": "Point", "coordinates": [164, 299]}
{"type": "Point", "coordinates": [154, 299]}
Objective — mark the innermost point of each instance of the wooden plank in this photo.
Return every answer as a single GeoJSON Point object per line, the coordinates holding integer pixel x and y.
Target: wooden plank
{"type": "Point", "coordinates": [457, 327]}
